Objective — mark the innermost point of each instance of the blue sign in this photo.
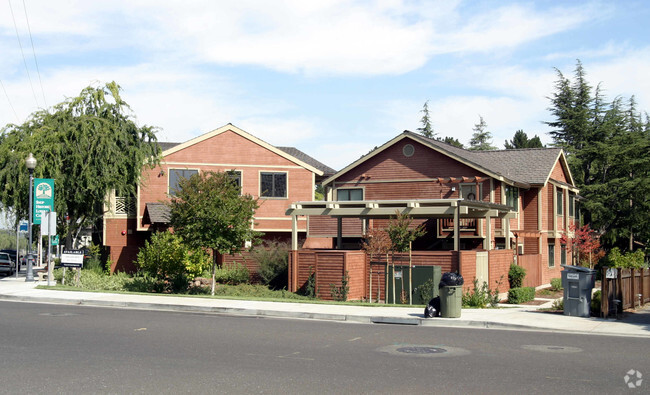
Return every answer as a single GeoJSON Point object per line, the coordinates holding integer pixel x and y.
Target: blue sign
{"type": "Point", "coordinates": [24, 226]}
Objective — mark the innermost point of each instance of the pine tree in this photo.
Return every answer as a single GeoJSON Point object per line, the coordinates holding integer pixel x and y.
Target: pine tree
{"type": "Point", "coordinates": [481, 139]}
{"type": "Point", "coordinates": [427, 129]}
{"type": "Point", "coordinates": [521, 140]}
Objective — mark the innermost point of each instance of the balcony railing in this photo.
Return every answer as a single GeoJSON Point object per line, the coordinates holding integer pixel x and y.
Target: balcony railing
{"type": "Point", "coordinates": [464, 224]}
{"type": "Point", "coordinates": [124, 205]}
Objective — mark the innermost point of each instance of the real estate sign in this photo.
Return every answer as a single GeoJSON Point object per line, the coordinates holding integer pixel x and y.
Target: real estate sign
{"type": "Point", "coordinates": [43, 198]}
{"type": "Point", "coordinates": [72, 258]}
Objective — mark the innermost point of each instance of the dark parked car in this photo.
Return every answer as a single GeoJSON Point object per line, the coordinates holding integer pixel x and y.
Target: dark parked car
{"type": "Point", "coordinates": [12, 254]}
{"type": "Point", "coordinates": [7, 266]}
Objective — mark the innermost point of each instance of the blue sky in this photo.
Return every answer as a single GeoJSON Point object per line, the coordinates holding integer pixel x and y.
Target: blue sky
{"type": "Point", "coordinates": [332, 78]}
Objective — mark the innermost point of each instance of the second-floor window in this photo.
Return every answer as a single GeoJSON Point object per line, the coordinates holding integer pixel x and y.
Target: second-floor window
{"type": "Point", "coordinates": [235, 176]}
{"type": "Point", "coordinates": [349, 194]}
{"type": "Point", "coordinates": [512, 197]}
{"type": "Point", "coordinates": [175, 175]}
{"type": "Point", "coordinates": [572, 198]}
{"type": "Point", "coordinates": [273, 185]}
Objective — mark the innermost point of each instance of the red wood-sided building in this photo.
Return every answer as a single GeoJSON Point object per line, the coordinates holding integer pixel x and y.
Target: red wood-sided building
{"type": "Point", "coordinates": [479, 208]}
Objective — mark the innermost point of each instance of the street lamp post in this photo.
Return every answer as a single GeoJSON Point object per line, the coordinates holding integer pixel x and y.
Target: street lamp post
{"type": "Point", "coordinates": [31, 164]}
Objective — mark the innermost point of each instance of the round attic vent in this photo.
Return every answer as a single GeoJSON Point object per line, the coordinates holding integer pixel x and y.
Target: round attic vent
{"type": "Point", "coordinates": [408, 150]}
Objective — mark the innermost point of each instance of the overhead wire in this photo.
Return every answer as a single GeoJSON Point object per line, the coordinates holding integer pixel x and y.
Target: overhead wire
{"type": "Point", "coordinates": [38, 72]}
{"type": "Point", "coordinates": [9, 100]}
{"type": "Point", "coordinates": [23, 53]}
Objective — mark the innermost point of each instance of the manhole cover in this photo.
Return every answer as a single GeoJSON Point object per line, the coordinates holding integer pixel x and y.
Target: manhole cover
{"type": "Point", "coordinates": [553, 349]}
{"type": "Point", "coordinates": [421, 350]}
{"type": "Point", "coordinates": [58, 314]}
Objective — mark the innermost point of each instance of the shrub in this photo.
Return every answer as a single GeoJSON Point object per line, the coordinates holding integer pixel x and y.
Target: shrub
{"type": "Point", "coordinates": [556, 284]}
{"type": "Point", "coordinates": [596, 303]}
{"type": "Point", "coordinates": [232, 274]}
{"type": "Point", "coordinates": [273, 258]}
{"type": "Point", "coordinates": [94, 262]}
{"type": "Point", "coordinates": [340, 294]}
{"type": "Point", "coordinates": [521, 295]}
{"type": "Point", "coordinates": [516, 276]}
{"type": "Point", "coordinates": [426, 290]}
{"type": "Point", "coordinates": [558, 304]}
{"type": "Point", "coordinates": [481, 297]}
{"type": "Point", "coordinates": [167, 258]}
{"type": "Point", "coordinates": [631, 260]}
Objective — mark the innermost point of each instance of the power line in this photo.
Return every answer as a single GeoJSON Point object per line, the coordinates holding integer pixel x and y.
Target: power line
{"type": "Point", "coordinates": [10, 105]}
{"type": "Point", "coordinates": [22, 52]}
{"type": "Point", "coordinates": [29, 29]}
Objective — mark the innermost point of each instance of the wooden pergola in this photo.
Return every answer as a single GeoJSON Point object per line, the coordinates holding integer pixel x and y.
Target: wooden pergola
{"type": "Point", "coordinates": [416, 208]}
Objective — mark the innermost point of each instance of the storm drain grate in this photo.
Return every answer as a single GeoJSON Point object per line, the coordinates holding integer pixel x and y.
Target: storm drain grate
{"type": "Point", "coordinates": [421, 350]}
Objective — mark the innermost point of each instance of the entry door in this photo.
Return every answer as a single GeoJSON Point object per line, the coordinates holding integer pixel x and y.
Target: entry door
{"type": "Point", "coordinates": [482, 274]}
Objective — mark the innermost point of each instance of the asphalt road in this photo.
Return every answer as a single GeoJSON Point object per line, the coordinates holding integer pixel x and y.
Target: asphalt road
{"type": "Point", "coordinates": [75, 349]}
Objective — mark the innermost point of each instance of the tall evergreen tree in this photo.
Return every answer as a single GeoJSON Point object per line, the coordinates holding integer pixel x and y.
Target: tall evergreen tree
{"type": "Point", "coordinates": [482, 138]}
{"type": "Point", "coordinates": [453, 141]}
{"type": "Point", "coordinates": [521, 140]}
{"type": "Point", "coordinates": [608, 149]}
{"type": "Point", "coordinates": [427, 129]}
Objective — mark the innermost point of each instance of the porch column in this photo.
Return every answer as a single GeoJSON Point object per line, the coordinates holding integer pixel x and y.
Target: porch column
{"type": "Point", "coordinates": [487, 242]}
{"type": "Point", "coordinates": [339, 233]}
{"type": "Point", "coordinates": [506, 230]}
{"type": "Point", "coordinates": [294, 232]}
{"type": "Point", "coordinates": [457, 228]}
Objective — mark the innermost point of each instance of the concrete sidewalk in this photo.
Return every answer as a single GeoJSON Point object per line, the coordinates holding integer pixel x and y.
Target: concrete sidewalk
{"type": "Point", "coordinates": [635, 324]}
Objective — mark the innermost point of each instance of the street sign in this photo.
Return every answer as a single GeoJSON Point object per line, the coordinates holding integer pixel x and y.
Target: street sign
{"type": "Point", "coordinates": [55, 240]}
{"type": "Point", "coordinates": [43, 198]}
{"type": "Point", "coordinates": [24, 226]}
{"type": "Point", "coordinates": [72, 258]}
{"type": "Point", "coordinates": [48, 223]}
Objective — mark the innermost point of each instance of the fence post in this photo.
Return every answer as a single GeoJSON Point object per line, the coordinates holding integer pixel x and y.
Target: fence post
{"type": "Point", "coordinates": [604, 293]}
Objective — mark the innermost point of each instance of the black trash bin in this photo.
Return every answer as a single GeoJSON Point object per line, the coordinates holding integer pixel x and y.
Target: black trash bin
{"type": "Point", "coordinates": [577, 282]}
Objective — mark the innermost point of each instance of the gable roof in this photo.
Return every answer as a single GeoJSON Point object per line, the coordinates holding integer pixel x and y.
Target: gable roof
{"type": "Point", "coordinates": [295, 152]}
{"type": "Point", "coordinates": [521, 167]}
{"type": "Point", "coordinates": [230, 127]}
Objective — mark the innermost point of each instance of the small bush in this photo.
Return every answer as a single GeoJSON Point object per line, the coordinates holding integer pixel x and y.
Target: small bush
{"type": "Point", "coordinates": [426, 290]}
{"type": "Point", "coordinates": [596, 303]}
{"type": "Point", "coordinates": [273, 258]}
{"type": "Point", "coordinates": [558, 304]}
{"type": "Point", "coordinates": [521, 295]}
{"type": "Point", "coordinates": [340, 294]}
{"type": "Point", "coordinates": [481, 296]}
{"type": "Point", "coordinates": [516, 276]}
{"type": "Point", "coordinates": [556, 284]}
{"type": "Point", "coordinates": [232, 274]}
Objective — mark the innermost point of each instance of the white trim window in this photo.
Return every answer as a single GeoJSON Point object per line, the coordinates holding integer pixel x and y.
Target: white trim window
{"type": "Point", "coordinates": [273, 185]}
{"type": "Point", "coordinates": [468, 192]}
{"type": "Point", "coordinates": [349, 194]}
{"type": "Point", "coordinates": [175, 175]}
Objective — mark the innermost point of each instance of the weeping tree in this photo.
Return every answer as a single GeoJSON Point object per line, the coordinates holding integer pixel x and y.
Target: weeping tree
{"type": "Point", "coordinates": [209, 211]}
{"type": "Point", "coordinates": [89, 144]}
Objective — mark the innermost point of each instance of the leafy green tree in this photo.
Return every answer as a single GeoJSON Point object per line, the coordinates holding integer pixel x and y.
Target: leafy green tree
{"type": "Point", "coordinates": [209, 211]}
{"type": "Point", "coordinates": [482, 138]}
{"type": "Point", "coordinates": [427, 129]}
{"type": "Point", "coordinates": [402, 233]}
{"type": "Point", "coordinates": [521, 140]}
{"type": "Point", "coordinates": [89, 144]}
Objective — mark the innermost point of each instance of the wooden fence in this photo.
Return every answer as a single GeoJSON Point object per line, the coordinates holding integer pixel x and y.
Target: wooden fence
{"type": "Point", "coordinates": [532, 263]}
{"type": "Point", "coordinates": [624, 289]}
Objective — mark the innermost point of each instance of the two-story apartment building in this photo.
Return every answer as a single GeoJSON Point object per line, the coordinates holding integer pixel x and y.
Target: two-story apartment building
{"type": "Point", "coordinates": [275, 175]}
{"type": "Point", "coordinates": [518, 200]}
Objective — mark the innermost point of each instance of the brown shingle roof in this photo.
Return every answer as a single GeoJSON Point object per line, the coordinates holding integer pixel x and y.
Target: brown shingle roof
{"type": "Point", "coordinates": [156, 213]}
{"type": "Point", "coordinates": [527, 166]}
{"type": "Point", "coordinates": [298, 154]}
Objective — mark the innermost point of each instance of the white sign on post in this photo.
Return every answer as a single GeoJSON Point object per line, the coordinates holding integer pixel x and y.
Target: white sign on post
{"type": "Point", "coordinates": [48, 224]}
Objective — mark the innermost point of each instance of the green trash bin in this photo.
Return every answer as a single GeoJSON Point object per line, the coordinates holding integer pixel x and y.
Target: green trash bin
{"type": "Point", "coordinates": [451, 301]}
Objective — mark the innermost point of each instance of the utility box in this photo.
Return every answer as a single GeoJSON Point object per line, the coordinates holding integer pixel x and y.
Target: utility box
{"type": "Point", "coordinates": [577, 282]}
